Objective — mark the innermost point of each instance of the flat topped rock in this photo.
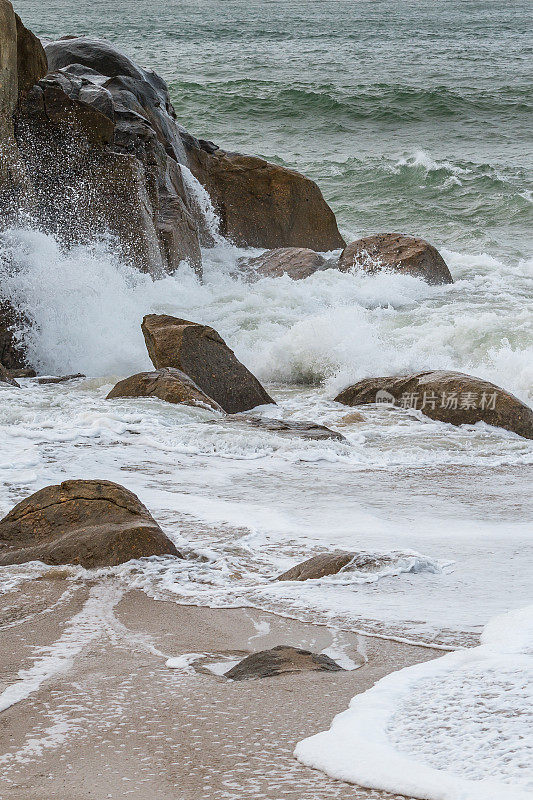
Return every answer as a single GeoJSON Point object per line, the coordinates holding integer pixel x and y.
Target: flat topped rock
{"type": "Point", "coordinates": [200, 352]}
{"type": "Point", "coordinates": [60, 378]}
{"type": "Point", "coordinates": [446, 396]}
{"type": "Point", "coordinates": [296, 262]}
{"type": "Point", "coordinates": [409, 255]}
{"type": "Point", "coordinates": [304, 430]}
{"type": "Point", "coordinates": [167, 384]}
{"type": "Point", "coordinates": [92, 523]}
{"type": "Point", "coordinates": [280, 660]}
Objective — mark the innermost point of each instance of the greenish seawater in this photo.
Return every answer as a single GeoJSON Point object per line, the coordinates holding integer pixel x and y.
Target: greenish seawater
{"type": "Point", "coordinates": [411, 115]}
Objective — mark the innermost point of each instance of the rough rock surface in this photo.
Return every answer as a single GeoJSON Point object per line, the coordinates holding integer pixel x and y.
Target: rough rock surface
{"type": "Point", "coordinates": [13, 180]}
{"type": "Point", "coordinates": [167, 384]}
{"type": "Point", "coordinates": [262, 204]}
{"type": "Point", "coordinates": [202, 354]}
{"type": "Point", "coordinates": [279, 660]}
{"type": "Point", "coordinates": [317, 567]}
{"type": "Point", "coordinates": [61, 378]}
{"type": "Point", "coordinates": [446, 396]}
{"type": "Point", "coordinates": [6, 377]}
{"type": "Point", "coordinates": [31, 59]}
{"type": "Point", "coordinates": [406, 254]}
{"type": "Point", "coordinates": [296, 262]}
{"type": "Point", "coordinates": [92, 523]}
{"type": "Point", "coordinates": [11, 350]}
{"type": "Point", "coordinates": [304, 430]}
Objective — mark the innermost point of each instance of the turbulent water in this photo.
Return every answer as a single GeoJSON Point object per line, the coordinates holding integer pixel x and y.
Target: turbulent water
{"type": "Point", "coordinates": [411, 116]}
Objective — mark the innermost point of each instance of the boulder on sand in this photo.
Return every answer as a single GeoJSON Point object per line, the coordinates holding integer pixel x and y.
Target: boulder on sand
{"type": "Point", "coordinates": [406, 254]}
{"type": "Point", "coordinates": [202, 354]}
{"type": "Point", "coordinates": [296, 262]}
{"type": "Point", "coordinates": [91, 523]}
{"type": "Point", "coordinates": [280, 660]}
{"type": "Point", "coordinates": [167, 384]}
{"type": "Point", "coordinates": [318, 567]}
{"type": "Point", "coordinates": [446, 396]}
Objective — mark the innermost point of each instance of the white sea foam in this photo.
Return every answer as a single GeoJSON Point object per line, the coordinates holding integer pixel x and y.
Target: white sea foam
{"type": "Point", "coordinates": [456, 727]}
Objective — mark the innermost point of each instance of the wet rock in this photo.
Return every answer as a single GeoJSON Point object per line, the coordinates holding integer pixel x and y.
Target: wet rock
{"type": "Point", "coordinates": [296, 262]}
{"type": "Point", "coordinates": [349, 419]}
{"type": "Point", "coordinates": [262, 204]}
{"type": "Point", "coordinates": [318, 567]}
{"type": "Point", "coordinates": [31, 59]}
{"type": "Point", "coordinates": [281, 660]}
{"type": "Point", "coordinates": [61, 378]}
{"type": "Point", "coordinates": [167, 384]}
{"type": "Point", "coordinates": [303, 430]}
{"type": "Point", "coordinates": [12, 353]}
{"type": "Point", "coordinates": [446, 396]}
{"type": "Point", "coordinates": [25, 372]}
{"type": "Point", "coordinates": [202, 354]}
{"type": "Point", "coordinates": [7, 378]}
{"type": "Point", "coordinates": [406, 254]}
{"type": "Point", "coordinates": [91, 523]}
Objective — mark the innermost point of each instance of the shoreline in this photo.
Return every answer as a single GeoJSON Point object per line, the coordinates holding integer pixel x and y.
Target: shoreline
{"type": "Point", "coordinates": [111, 720]}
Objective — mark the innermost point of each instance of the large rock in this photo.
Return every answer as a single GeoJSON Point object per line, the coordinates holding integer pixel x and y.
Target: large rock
{"type": "Point", "coordinates": [167, 384]}
{"type": "Point", "coordinates": [446, 396]}
{"type": "Point", "coordinates": [296, 262]}
{"type": "Point", "coordinates": [92, 523]}
{"type": "Point", "coordinates": [13, 180]}
{"type": "Point", "coordinates": [318, 567]}
{"type": "Point", "coordinates": [12, 355]}
{"type": "Point", "coordinates": [406, 254]}
{"type": "Point", "coordinates": [202, 354]}
{"type": "Point", "coordinates": [262, 204]}
{"type": "Point", "coordinates": [31, 59]}
{"type": "Point", "coordinates": [281, 660]}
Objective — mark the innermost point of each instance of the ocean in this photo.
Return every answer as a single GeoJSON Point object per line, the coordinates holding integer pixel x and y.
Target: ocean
{"type": "Point", "coordinates": [412, 117]}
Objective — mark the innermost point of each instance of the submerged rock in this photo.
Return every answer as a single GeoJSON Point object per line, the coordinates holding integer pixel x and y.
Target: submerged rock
{"type": "Point", "coordinates": [304, 430]}
{"type": "Point", "coordinates": [12, 353]}
{"type": "Point", "coordinates": [61, 378]}
{"type": "Point", "coordinates": [318, 567]}
{"type": "Point", "coordinates": [296, 262]}
{"type": "Point", "coordinates": [167, 384]}
{"type": "Point", "coordinates": [406, 254]}
{"type": "Point", "coordinates": [280, 660]}
{"type": "Point", "coordinates": [91, 523]}
{"type": "Point", "coordinates": [203, 355]}
{"type": "Point", "coordinates": [446, 396]}
{"type": "Point", "coordinates": [262, 204]}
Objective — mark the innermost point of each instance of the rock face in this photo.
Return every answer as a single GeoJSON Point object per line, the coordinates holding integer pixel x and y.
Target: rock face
{"type": "Point", "coordinates": [11, 350]}
{"type": "Point", "coordinates": [167, 384]}
{"type": "Point", "coordinates": [280, 660]}
{"type": "Point", "coordinates": [296, 262]}
{"type": "Point", "coordinates": [303, 430]}
{"type": "Point", "coordinates": [6, 378]}
{"type": "Point", "coordinates": [262, 204]}
{"type": "Point", "coordinates": [202, 354]}
{"type": "Point", "coordinates": [446, 396]}
{"type": "Point", "coordinates": [406, 254]}
{"type": "Point", "coordinates": [32, 64]}
{"type": "Point", "coordinates": [318, 567]}
{"type": "Point", "coordinates": [91, 523]}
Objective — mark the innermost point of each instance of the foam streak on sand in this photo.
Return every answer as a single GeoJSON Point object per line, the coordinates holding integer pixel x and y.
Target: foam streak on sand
{"type": "Point", "coordinates": [393, 738]}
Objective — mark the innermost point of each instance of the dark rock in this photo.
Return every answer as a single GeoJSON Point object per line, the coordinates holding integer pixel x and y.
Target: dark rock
{"type": "Point", "coordinates": [31, 59]}
{"type": "Point", "coordinates": [296, 262]}
{"type": "Point", "coordinates": [304, 430]}
{"type": "Point", "coordinates": [318, 567]}
{"type": "Point", "coordinates": [7, 378]}
{"type": "Point", "coordinates": [12, 354]}
{"type": "Point", "coordinates": [167, 384]}
{"type": "Point", "coordinates": [61, 378]}
{"type": "Point", "coordinates": [262, 204]}
{"type": "Point", "coordinates": [406, 254]}
{"type": "Point", "coordinates": [202, 354]}
{"type": "Point", "coordinates": [280, 660]}
{"type": "Point", "coordinates": [92, 523]}
{"type": "Point", "coordinates": [446, 396]}
{"type": "Point", "coordinates": [25, 372]}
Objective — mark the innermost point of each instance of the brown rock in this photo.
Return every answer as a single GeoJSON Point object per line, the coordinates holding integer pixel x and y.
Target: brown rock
{"type": "Point", "coordinates": [202, 354]}
{"type": "Point", "coordinates": [167, 384]}
{"type": "Point", "coordinates": [92, 523]}
{"type": "Point", "coordinates": [265, 205]}
{"type": "Point", "coordinates": [304, 430]}
{"type": "Point", "coordinates": [296, 262]}
{"type": "Point", "coordinates": [6, 377]}
{"type": "Point", "coordinates": [317, 567]}
{"type": "Point", "coordinates": [61, 378]}
{"type": "Point", "coordinates": [280, 660]}
{"type": "Point", "coordinates": [12, 354]}
{"type": "Point", "coordinates": [406, 254]}
{"type": "Point", "coordinates": [446, 396]}
{"type": "Point", "coordinates": [31, 59]}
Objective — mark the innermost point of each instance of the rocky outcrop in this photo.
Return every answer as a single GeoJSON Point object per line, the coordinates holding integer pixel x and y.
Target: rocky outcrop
{"type": "Point", "coordinates": [446, 396]}
{"type": "Point", "coordinates": [13, 179]}
{"type": "Point", "coordinates": [203, 355]}
{"type": "Point", "coordinates": [262, 204]}
{"type": "Point", "coordinates": [281, 660]}
{"type": "Point", "coordinates": [406, 254]}
{"type": "Point", "coordinates": [302, 430]}
{"type": "Point", "coordinates": [91, 523]}
{"type": "Point", "coordinates": [296, 262]}
{"type": "Point", "coordinates": [167, 384]}
{"type": "Point", "coordinates": [318, 567]}
{"type": "Point", "coordinates": [32, 64]}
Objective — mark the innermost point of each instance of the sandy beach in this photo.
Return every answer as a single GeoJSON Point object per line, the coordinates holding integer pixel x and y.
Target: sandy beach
{"type": "Point", "coordinates": [104, 716]}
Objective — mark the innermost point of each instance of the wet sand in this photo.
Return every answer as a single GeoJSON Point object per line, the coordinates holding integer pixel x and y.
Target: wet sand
{"type": "Point", "coordinates": [102, 716]}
